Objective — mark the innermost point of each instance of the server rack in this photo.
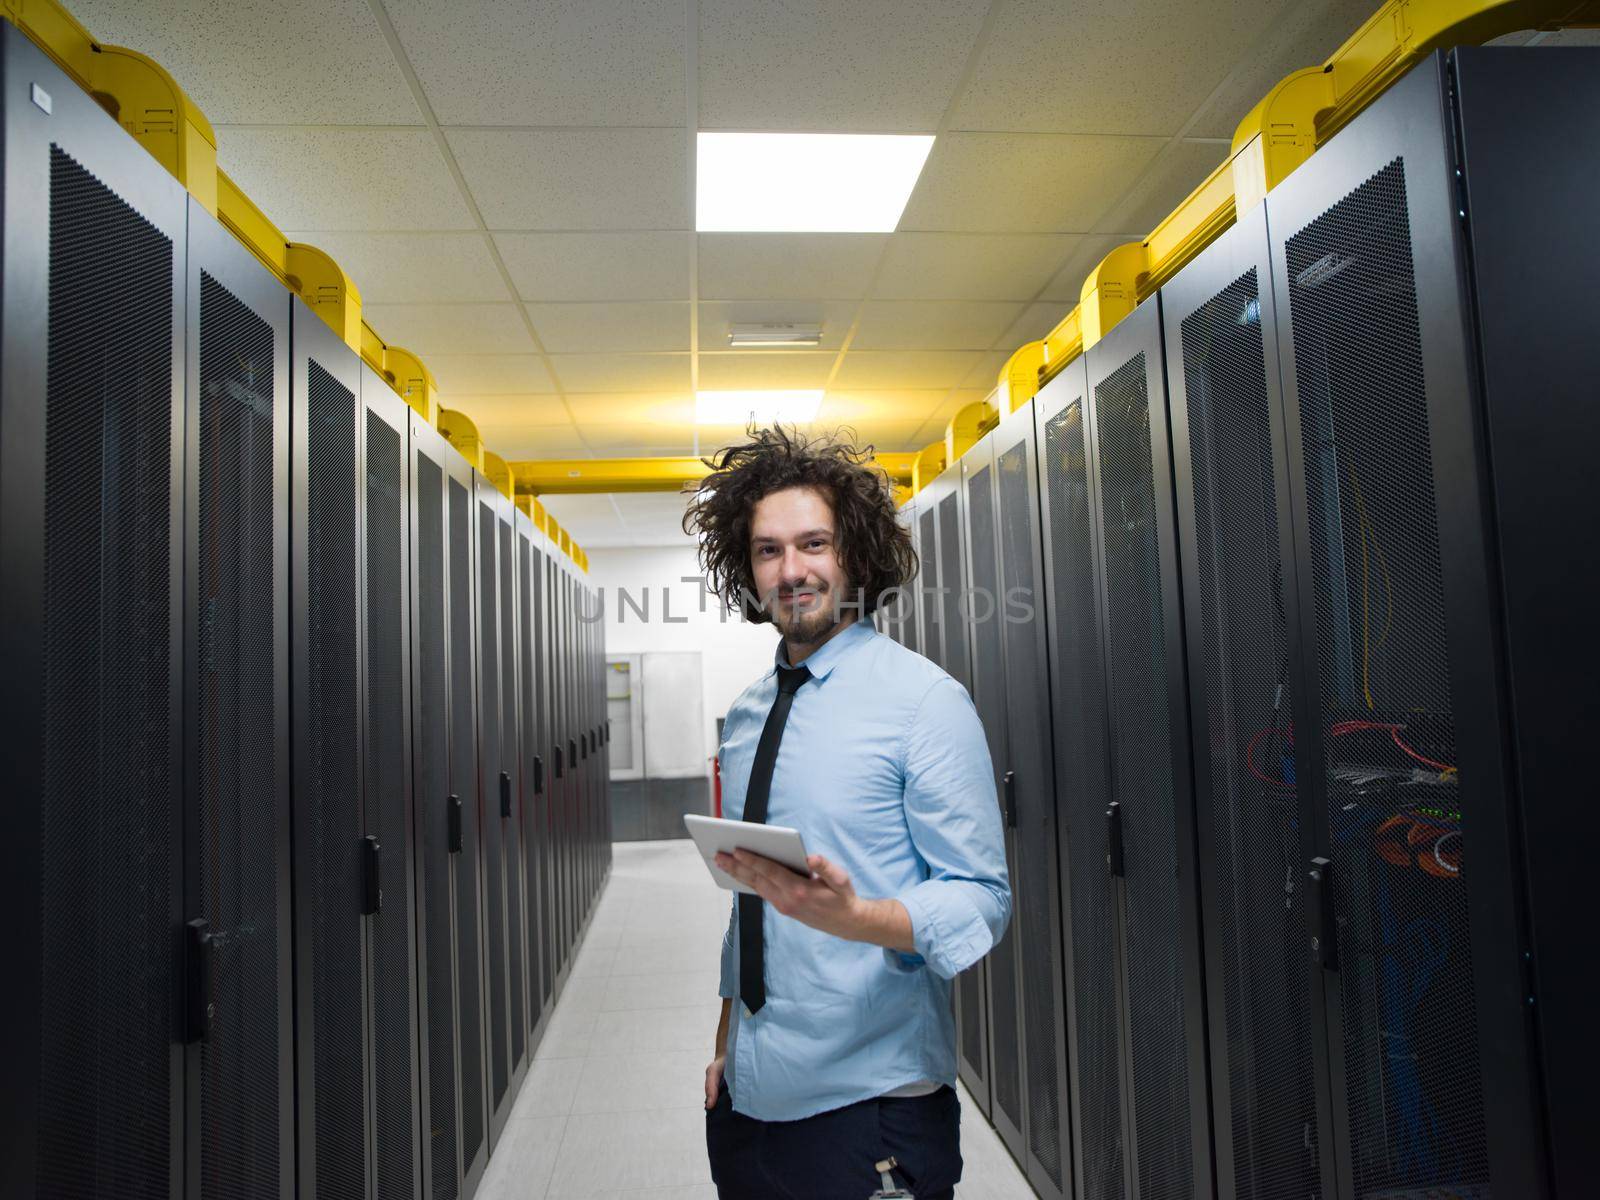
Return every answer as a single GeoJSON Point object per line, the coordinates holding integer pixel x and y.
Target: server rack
{"type": "Point", "coordinates": [1004, 1036]}
{"type": "Point", "coordinates": [240, 1083]}
{"type": "Point", "coordinates": [531, 805]}
{"type": "Point", "coordinates": [494, 793]}
{"type": "Point", "coordinates": [1028, 800]}
{"type": "Point", "coordinates": [1164, 1077]}
{"type": "Point", "coordinates": [1392, 252]}
{"type": "Point", "coordinates": [90, 481]}
{"type": "Point", "coordinates": [1090, 912]}
{"type": "Point", "coordinates": [387, 787]}
{"type": "Point", "coordinates": [1255, 835]}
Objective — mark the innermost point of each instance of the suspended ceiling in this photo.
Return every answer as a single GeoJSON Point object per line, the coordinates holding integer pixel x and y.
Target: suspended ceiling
{"type": "Point", "coordinates": [510, 183]}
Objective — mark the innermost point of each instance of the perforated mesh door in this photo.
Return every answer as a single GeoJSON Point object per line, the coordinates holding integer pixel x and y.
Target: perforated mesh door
{"type": "Point", "coordinates": [532, 825]}
{"type": "Point", "coordinates": [464, 783]}
{"type": "Point", "coordinates": [1028, 722]}
{"type": "Point", "coordinates": [389, 812]}
{"type": "Point", "coordinates": [955, 640]}
{"type": "Point", "coordinates": [488, 772]}
{"type": "Point", "coordinates": [241, 794]}
{"type": "Point", "coordinates": [333, 805]}
{"type": "Point", "coordinates": [928, 604]}
{"type": "Point", "coordinates": [508, 763]}
{"type": "Point", "coordinates": [548, 897]}
{"type": "Point", "coordinates": [433, 789]}
{"type": "Point", "coordinates": [1244, 731]}
{"type": "Point", "coordinates": [1083, 786]}
{"type": "Point", "coordinates": [107, 810]}
{"type": "Point", "coordinates": [1415, 1099]}
{"type": "Point", "coordinates": [1141, 751]}
{"type": "Point", "coordinates": [989, 672]}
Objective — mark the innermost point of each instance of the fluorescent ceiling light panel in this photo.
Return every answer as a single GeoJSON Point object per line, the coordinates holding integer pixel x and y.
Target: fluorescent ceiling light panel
{"type": "Point", "coordinates": [762, 407]}
{"type": "Point", "coordinates": [805, 182]}
{"type": "Point", "coordinates": [775, 334]}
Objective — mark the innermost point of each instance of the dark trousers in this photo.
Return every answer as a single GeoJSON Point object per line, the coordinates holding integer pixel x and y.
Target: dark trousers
{"type": "Point", "coordinates": [830, 1156]}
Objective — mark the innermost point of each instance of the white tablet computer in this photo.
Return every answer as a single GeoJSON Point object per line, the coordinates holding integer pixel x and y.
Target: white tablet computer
{"type": "Point", "coordinates": [714, 835]}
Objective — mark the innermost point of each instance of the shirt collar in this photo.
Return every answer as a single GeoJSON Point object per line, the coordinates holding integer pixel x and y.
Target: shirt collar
{"type": "Point", "coordinates": [824, 659]}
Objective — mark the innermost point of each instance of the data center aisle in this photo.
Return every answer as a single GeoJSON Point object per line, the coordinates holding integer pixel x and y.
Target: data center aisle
{"type": "Point", "coordinates": [612, 1106]}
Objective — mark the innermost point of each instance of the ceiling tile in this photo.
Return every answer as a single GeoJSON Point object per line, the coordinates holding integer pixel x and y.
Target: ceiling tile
{"type": "Point", "coordinates": [611, 326]}
{"type": "Point", "coordinates": [784, 266]}
{"type": "Point", "coordinates": [343, 179]}
{"type": "Point", "coordinates": [622, 372]}
{"type": "Point", "coordinates": [628, 441]}
{"type": "Point", "coordinates": [598, 266]}
{"type": "Point", "coordinates": [576, 178]}
{"type": "Point", "coordinates": [985, 373]}
{"type": "Point", "coordinates": [408, 268]}
{"type": "Point", "coordinates": [516, 441]}
{"type": "Point", "coordinates": [489, 374]}
{"type": "Point", "coordinates": [901, 369]}
{"type": "Point", "coordinates": [1067, 286]}
{"type": "Point", "coordinates": [854, 407]}
{"type": "Point", "coordinates": [969, 266]}
{"type": "Point", "coordinates": [718, 316]}
{"type": "Point", "coordinates": [1167, 181]}
{"type": "Point", "coordinates": [932, 324]}
{"type": "Point", "coordinates": [451, 328]}
{"type": "Point", "coordinates": [1023, 183]}
{"type": "Point", "coordinates": [1114, 66]}
{"type": "Point", "coordinates": [886, 66]}
{"type": "Point", "coordinates": [765, 369]}
{"type": "Point", "coordinates": [558, 62]}
{"type": "Point", "coordinates": [643, 412]}
{"type": "Point", "coordinates": [1303, 35]}
{"type": "Point", "coordinates": [338, 72]}
{"type": "Point", "coordinates": [529, 409]}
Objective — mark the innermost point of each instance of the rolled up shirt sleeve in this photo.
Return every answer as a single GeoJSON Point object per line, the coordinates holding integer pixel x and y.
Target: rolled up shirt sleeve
{"type": "Point", "coordinates": [728, 985]}
{"type": "Point", "coordinates": [961, 910]}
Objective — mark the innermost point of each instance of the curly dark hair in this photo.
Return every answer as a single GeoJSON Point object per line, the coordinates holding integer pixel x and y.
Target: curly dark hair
{"type": "Point", "coordinates": [874, 548]}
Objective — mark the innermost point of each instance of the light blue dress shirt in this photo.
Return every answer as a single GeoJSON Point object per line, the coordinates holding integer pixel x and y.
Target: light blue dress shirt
{"type": "Point", "coordinates": [884, 770]}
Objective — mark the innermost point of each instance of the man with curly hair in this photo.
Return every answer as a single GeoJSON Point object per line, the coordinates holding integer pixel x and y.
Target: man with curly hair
{"type": "Point", "coordinates": [836, 1045]}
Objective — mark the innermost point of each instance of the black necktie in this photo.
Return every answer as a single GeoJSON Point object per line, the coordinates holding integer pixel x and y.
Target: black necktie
{"type": "Point", "coordinates": [752, 944]}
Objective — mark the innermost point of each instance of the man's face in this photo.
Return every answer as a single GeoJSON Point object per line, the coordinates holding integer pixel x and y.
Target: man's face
{"type": "Point", "coordinates": [795, 563]}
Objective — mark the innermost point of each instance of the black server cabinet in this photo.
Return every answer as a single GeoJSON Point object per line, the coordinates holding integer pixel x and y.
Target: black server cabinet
{"type": "Point", "coordinates": [911, 607]}
{"type": "Point", "coordinates": [1090, 905]}
{"type": "Point", "coordinates": [1254, 831]}
{"type": "Point", "coordinates": [1004, 1100]}
{"type": "Point", "coordinates": [943, 498]}
{"type": "Point", "coordinates": [1397, 253]}
{"type": "Point", "coordinates": [926, 539]}
{"type": "Point", "coordinates": [1028, 800]}
{"type": "Point", "coordinates": [355, 1011]}
{"type": "Point", "coordinates": [91, 458]}
{"type": "Point", "coordinates": [387, 787]}
{"type": "Point", "coordinates": [240, 1089]}
{"type": "Point", "coordinates": [331, 867]}
{"type": "Point", "coordinates": [448, 856]}
{"type": "Point", "coordinates": [496, 802]}
{"type": "Point", "coordinates": [531, 797]}
{"type": "Point", "coordinates": [1164, 1083]}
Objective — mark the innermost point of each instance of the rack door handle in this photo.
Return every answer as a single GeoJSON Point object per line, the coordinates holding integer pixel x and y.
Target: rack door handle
{"type": "Point", "coordinates": [372, 860]}
{"type": "Point", "coordinates": [538, 774]}
{"type": "Point", "coordinates": [1319, 905]}
{"type": "Point", "coordinates": [558, 762]}
{"type": "Point", "coordinates": [1009, 788]}
{"type": "Point", "coordinates": [1114, 859]}
{"type": "Point", "coordinates": [505, 794]}
{"type": "Point", "coordinates": [199, 970]}
{"type": "Point", "coordinates": [452, 812]}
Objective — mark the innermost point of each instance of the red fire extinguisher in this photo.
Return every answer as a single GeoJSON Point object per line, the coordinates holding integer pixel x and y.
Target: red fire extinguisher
{"type": "Point", "coordinates": [716, 785]}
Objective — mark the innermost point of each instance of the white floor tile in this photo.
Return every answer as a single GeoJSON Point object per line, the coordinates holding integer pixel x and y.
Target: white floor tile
{"type": "Point", "coordinates": [677, 990]}
{"type": "Point", "coordinates": [643, 1082]}
{"type": "Point", "coordinates": [611, 1152]}
{"type": "Point", "coordinates": [522, 1164]}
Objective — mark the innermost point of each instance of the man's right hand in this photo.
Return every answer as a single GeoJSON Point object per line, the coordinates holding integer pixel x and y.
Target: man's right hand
{"type": "Point", "coordinates": [714, 1080]}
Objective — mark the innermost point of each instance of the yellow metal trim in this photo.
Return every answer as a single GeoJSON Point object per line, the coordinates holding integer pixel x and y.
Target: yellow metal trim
{"type": "Point", "coordinates": [250, 225]}
{"type": "Point", "coordinates": [927, 465]}
{"type": "Point", "coordinates": [1111, 291]}
{"type": "Point", "coordinates": [564, 540]}
{"type": "Point", "coordinates": [1062, 344]}
{"type": "Point", "coordinates": [896, 464]}
{"type": "Point", "coordinates": [966, 427]}
{"type": "Point", "coordinates": [524, 505]}
{"type": "Point", "coordinates": [902, 495]}
{"type": "Point", "coordinates": [1019, 378]}
{"type": "Point", "coordinates": [1205, 214]}
{"type": "Point", "coordinates": [565, 475]}
{"type": "Point", "coordinates": [409, 376]}
{"type": "Point", "coordinates": [327, 290]}
{"type": "Point", "coordinates": [457, 429]}
{"type": "Point", "coordinates": [497, 473]}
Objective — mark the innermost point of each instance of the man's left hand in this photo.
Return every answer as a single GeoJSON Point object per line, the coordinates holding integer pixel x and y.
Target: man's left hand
{"type": "Point", "coordinates": [826, 900]}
